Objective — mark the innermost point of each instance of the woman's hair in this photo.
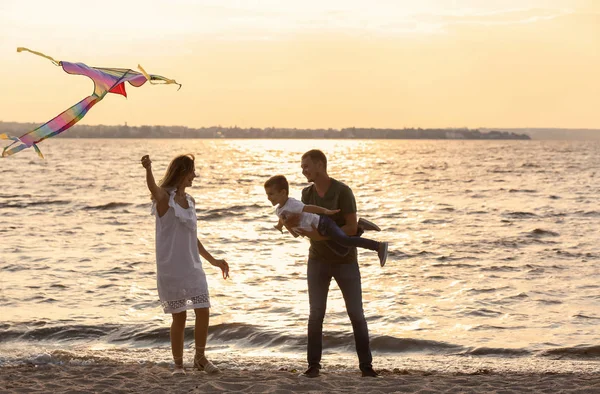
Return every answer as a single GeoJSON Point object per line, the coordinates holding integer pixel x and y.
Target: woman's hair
{"type": "Point", "coordinates": [178, 168]}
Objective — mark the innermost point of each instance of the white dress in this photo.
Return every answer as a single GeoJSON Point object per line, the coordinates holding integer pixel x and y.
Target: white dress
{"type": "Point", "coordinates": [180, 279]}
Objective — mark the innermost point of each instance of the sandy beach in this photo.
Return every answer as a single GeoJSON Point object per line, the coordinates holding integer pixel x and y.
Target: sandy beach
{"type": "Point", "coordinates": [128, 378]}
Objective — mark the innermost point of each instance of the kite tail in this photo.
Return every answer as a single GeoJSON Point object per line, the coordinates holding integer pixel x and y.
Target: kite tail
{"type": "Point", "coordinates": [55, 126]}
{"type": "Point", "coordinates": [14, 140]}
{"type": "Point", "coordinates": [151, 78]}
{"type": "Point", "coordinates": [56, 62]}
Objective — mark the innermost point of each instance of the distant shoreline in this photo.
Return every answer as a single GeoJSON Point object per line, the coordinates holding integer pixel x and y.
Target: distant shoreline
{"type": "Point", "coordinates": [219, 132]}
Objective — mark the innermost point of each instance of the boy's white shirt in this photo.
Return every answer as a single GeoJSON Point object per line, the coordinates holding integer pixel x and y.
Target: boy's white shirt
{"type": "Point", "coordinates": [293, 206]}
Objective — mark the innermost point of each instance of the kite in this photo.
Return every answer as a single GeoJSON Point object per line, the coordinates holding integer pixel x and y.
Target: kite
{"type": "Point", "coordinates": [106, 80]}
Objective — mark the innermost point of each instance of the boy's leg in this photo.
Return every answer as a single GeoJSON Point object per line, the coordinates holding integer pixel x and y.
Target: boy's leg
{"type": "Point", "coordinates": [338, 235]}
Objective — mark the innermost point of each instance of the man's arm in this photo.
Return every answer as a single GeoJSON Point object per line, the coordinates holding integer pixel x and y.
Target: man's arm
{"type": "Point", "coordinates": [351, 226]}
{"type": "Point", "coordinates": [347, 203]}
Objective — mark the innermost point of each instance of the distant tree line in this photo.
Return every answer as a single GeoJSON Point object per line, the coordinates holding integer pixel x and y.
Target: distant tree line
{"type": "Point", "coordinates": [124, 131]}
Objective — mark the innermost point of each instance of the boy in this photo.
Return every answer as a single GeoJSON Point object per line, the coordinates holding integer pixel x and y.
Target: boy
{"type": "Point", "coordinates": [312, 216]}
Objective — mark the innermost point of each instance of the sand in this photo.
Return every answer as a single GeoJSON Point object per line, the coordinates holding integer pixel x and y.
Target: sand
{"type": "Point", "coordinates": [152, 378]}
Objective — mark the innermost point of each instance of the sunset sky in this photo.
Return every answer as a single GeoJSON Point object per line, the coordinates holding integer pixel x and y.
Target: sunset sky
{"type": "Point", "coordinates": [311, 63]}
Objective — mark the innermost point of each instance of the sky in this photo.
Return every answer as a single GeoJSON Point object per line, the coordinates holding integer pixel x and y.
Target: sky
{"type": "Point", "coordinates": [311, 63]}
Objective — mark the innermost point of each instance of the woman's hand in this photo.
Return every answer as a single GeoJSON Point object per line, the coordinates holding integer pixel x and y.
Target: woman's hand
{"type": "Point", "coordinates": [222, 264]}
{"type": "Point", "coordinates": [146, 162]}
{"type": "Point", "coordinates": [331, 211]}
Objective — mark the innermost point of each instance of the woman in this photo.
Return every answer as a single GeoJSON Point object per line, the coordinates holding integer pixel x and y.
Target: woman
{"type": "Point", "coordinates": [181, 280]}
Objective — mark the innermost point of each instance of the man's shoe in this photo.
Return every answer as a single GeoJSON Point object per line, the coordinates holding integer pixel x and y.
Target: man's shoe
{"type": "Point", "coordinates": [367, 225]}
{"type": "Point", "coordinates": [312, 372]}
{"type": "Point", "coordinates": [369, 373]}
{"type": "Point", "coordinates": [382, 253]}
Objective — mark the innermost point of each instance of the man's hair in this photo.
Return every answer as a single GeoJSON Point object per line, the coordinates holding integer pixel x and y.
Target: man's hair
{"type": "Point", "coordinates": [316, 155]}
{"type": "Point", "coordinates": [278, 182]}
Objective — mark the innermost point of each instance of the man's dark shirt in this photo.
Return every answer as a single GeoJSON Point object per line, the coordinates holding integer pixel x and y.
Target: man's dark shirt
{"type": "Point", "coordinates": [338, 196]}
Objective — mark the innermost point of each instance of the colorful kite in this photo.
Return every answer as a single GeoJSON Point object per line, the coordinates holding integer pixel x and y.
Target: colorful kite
{"type": "Point", "coordinates": [106, 80]}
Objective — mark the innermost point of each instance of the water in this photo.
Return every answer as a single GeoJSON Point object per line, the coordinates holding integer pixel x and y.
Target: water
{"type": "Point", "coordinates": [493, 244]}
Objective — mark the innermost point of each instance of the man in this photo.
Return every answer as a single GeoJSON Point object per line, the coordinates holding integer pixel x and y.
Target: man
{"type": "Point", "coordinates": [324, 264]}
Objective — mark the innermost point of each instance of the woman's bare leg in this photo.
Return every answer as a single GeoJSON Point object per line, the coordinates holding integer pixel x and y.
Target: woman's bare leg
{"type": "Point", "coordinates": [177, 337]}
{"type": "Point", "coordinates": [200, 335]}
{"type": "Point", "coordinates": [201, 331]}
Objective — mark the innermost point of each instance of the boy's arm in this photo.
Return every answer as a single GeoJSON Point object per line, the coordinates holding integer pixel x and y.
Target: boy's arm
{"type": "Point", "coordinates": [292, 220]}
{"type": "Point", "coordinates": [279, 225]}
{"type": "Point", "coordinates": [319, 210]}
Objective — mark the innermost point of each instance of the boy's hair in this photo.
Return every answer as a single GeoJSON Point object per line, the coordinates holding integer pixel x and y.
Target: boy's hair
{"type": "Point", "coordinates": [316, 155]}
{"type": "Point", "coordinates": [278, 182]}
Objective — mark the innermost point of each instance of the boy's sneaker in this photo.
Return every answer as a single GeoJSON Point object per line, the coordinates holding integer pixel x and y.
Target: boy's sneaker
{"type": "Point", "coordinates": [382, 253]}
{"type": "Point", "coordinates": [368, 225]}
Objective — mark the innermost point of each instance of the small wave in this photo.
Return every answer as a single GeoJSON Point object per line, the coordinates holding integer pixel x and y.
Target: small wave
{"type": "Point", "coordinates": [57, 357]}
{"type": "Point", "coordinates": [15, 268]}
{"type": "Point", "coordinates": [106, 207]}
{"type": "Point", "coordinates": [447, 209]}
{"type": "Point", "coordinates": [15, 195]}
{"type": "Point", "coordinates": [484, 312]}
{"type": "Point", "coordinates": [435, 221]}
{"type": "Point", "coordinates": [538, 232]}
{"type": "Point", "coordinates": [451, 258]}
{"type": "Point", "coordinates": [522, 191]}
{"type": "Point", "coordinates": [520, 215]}
{"type": "Point", "coordinates": [550, 302]}
{"type": "Point", "coordinates": [589, 213]}
{"type": "Point", "coordinates": [581, 316]}
{"type": "Point", "coordinates": [484, 327]}
{"type": "Point", "coordinates": [487, 290]}
{"type": "Point", "coordinates": [519, 296]}
{"type": "Point", "coordinates": [234, 210]}
{"type": "Point", "coordinates": [489, 351]}
{"type": "Point", "coordinates": [406, 345]}
{"type": "Point", "coordinates": [57, 333]}
{"type": "Point", "coordinates": [576, 352]}
{"type": "Point", "coordinates": [500, 268]}
{"type": "Point", "coordinates": [477, 213]}
{"type": "Point", "coordinates": [32, 203]}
